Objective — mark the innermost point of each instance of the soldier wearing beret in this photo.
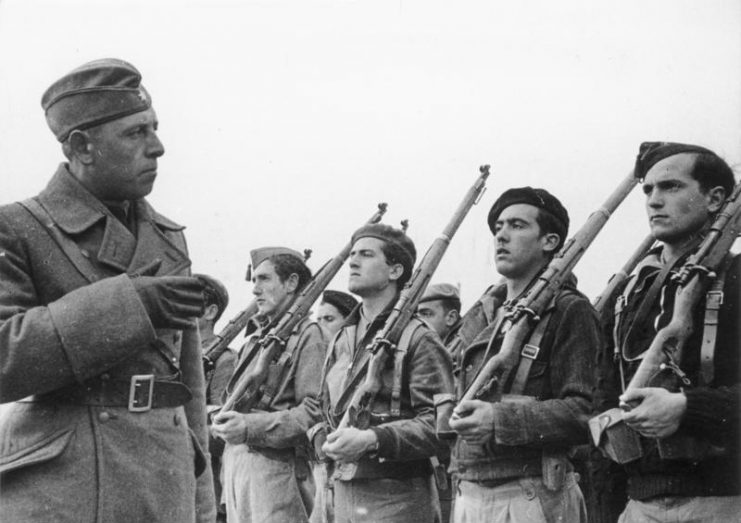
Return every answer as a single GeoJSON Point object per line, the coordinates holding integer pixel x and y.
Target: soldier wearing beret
{"type": "Point", "coordinates": [218, 368]}
{"type": "Point", "coordinates": [440, 308]}
{"type": "Point", "coordinates": [333, 309]}
{"type": "Point", "coordinates": [507, 448]}
{"type": "Point", "coordinates": [393, 480]}
{"type": "Point", "coordinates": [685, 187]}
{"type": "Point", "coordinates": [100, 351]}
{"type": "Point", "coordinates": [267, 474]}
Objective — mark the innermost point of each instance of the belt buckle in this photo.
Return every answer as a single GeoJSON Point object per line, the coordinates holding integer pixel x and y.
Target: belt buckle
{"type": "Point", "coordinates": [530, 351]}
{"type": "Point", "coordinates": [138, 381]}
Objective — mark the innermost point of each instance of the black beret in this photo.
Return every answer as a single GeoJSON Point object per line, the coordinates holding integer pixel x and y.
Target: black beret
{"type": "Point", "coordinates": [93, 94]}
{"type": "Point", "coordinates": [537, 197]}
{"type": "Point", "coordinates": [651, 153]}
{"type": "Point", "coordinates": [216, 290]}
{"type": "Point", "coordinates": [392, 236]}
{"type": "Point", "coordinates": [342, 300]}
{"type": "Point", "coordinates": [441, 291]}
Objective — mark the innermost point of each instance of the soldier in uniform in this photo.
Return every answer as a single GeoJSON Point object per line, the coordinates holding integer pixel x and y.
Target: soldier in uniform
{"type": "Point", "coordinates": [267, 474]}
{"type": "Point", "coordinates": [508, 449]}
{"type": "Point", "coordinates": [333, 309]}
{"type": "Point", "coordinates": [685, 187]}
{"type": "Point", "coordinates": [393, 480]}
{"type": "Point", "coordinates": [218, 369]}
{"type": "Point", "coordinates": [440, 308]}
{"type": "Point", "coordinates": [100, 350]}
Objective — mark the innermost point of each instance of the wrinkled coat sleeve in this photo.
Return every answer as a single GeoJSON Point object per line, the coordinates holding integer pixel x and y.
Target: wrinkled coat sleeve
{"type": "Point", "coordinates": [223, 371]}
{"type": "Point", "coordinates": [47, 346]}
{"type": "Point", "coordinates": [561, 420]}
{"type": "Point", "coordinates": [430, 371]}
{"type": "Point", "coordinates": [287, 428]}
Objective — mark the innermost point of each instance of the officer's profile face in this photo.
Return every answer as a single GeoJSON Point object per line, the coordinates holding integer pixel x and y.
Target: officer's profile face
{"type": "Point", "coordinates": [519, 244]}
{"type": "Point", "coordinates": [676, 205]}
{"type": "Point", "coordinates": [123, 156]}
{"type": "Point", "coordinates": [369, 271]}
{"type": "Point", "coordinates": [329, 318]}
{"type": "Point", "coordinates": [270, 292]}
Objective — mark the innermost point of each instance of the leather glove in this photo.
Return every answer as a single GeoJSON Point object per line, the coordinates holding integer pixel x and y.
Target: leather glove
{"type": "Point", "coordinates": [171, 301]}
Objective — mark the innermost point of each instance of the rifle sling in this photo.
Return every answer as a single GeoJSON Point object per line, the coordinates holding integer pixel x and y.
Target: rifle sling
{"type": "Point", "coordinates": [713, 301]}
{"type": "Point", "coordinates": [499, 320]}
{"type": "Point", "coordinates": [531, 351]}
{"type": "Point", "coordinates": [399, 356]}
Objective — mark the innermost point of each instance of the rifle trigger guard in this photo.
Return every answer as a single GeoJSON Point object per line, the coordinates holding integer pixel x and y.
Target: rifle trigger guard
{"type": "Point", "coordinates": [276, 339]}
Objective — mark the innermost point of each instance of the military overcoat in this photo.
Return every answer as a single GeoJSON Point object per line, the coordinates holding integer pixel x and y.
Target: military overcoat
{"type": "Point", "coordinates": [71, 326]}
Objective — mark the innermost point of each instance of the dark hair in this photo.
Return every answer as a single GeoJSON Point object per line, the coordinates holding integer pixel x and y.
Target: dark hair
{"type": "Point", "coordinates": [286, 264]}
{"type": "Point", "coordinates": [394, 254]}
{"type": "Point", "coordinates": [451, 304]}
{"type": "Point", "coordinates": [549, 224]}
{"type": "Point", "coordinates": [211, 298]}
{"type": "Point", "coordinates": [711, 171]}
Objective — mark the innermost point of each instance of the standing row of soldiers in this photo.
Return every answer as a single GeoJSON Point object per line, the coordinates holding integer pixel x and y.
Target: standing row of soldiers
{"type": "Point", "coordinates": [100, 360]}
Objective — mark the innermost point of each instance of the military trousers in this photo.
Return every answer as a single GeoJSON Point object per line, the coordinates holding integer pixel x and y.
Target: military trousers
{"type": "Point", "coordinates": [525, 500]}
{"type": "Point", "coordinates": [664, 509]}
{"type": "Point", "coordinates": [386, 500]}
{"type": "Point", "coordinates": [266, 486]}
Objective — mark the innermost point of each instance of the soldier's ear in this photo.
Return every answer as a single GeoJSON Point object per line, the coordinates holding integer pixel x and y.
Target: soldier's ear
{"type": "Point", "coordinates": [451, 317]}
{"type": "Point", "coordinates": [397, 271]}
{"type": "Point", "coordinates": [716, 197]}
{"type": "Point", "coordinates": [292, 282]}
{"type": "Point", "coordinates": [211, 311]}
{"type": "Point", "coordinates": [550, 242]}
{"type": "Point", "coordinates": [81, 146]}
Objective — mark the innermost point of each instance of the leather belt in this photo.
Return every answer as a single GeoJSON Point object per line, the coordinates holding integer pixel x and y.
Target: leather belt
{"type": "Point", "coordinates": [140, 393]}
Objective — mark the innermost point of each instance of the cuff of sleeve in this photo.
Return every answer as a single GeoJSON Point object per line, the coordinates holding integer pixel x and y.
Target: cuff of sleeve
{"type": "Point", "coordinates": [704, 410]}
{"type": "Point", "coordinates": [385, 441]}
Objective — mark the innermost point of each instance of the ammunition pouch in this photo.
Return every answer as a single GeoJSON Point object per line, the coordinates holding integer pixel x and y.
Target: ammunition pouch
{"type": "Point", "coordinates": [614, 438]}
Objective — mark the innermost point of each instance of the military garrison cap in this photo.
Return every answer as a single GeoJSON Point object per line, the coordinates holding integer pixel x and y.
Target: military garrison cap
{"type": "Point", "coordinates": [441, 291]}
{"type": "Point", "coordinates": [215, 291]}
{"type": "Point", "coordinates": [396, 237]}
{"type": "Point", "coordinates": [651, 153]}
{"type": "Point", "coordinates": [93, 94]}
{"type": "Point", "coordinates": [257, 256]}
{"type": "Point", "coordinates": [342, 300]}
{"type": "Point", "coordinates": [537, 197]}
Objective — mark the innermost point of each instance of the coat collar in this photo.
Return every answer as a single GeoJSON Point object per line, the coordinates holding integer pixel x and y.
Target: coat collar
{"type": "Point", "coordinates": [75, 210]}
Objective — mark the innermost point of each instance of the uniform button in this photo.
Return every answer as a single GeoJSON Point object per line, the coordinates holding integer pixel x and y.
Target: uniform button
{"type": "Point", "coordinates": [176, 420]}
{"type": "Point", "coordinates": [105, 376]}
{"type": "Point", "coordinates": [469, 368]}
{"type": "Point", "coordinates": [104, 416]}
{"type": "Point", "coordinates": [85, 253]}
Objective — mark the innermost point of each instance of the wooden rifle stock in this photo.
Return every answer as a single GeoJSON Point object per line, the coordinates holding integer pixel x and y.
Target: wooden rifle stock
{"type": "Point", "coordinates": [247, 389]}
{"type": "Point", "coordinates": [693, 279]}
{"type": "Point", "coordinates": [358, 412]}
{"type": "Point", "coordinates": [222, 340]}
{"type": "Point", "coordinates": [528, 309]}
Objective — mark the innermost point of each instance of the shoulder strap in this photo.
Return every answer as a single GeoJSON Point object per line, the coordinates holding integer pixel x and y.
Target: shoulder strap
{"type": "Point", "coordinates": [713, 301]}
{"type": "Point", "coordinates": [65, 243]}
{"type": "Point", "coordinates": [530, 352]}
{"type": "Point", "coordinates": [399, 356]}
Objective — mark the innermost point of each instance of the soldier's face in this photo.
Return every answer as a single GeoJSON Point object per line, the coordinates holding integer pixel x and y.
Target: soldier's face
{"type": "Point", "coordinates": [329, 318]}
{"type": "Point", "coordinates": [675, 203]}
{"type": "Point", "coordinates": [124, 157]}
{"type": "Point", "coordinates": [369, 271]}
{"type": "Point", "coordinates": [433, 313]}
{"type": "Point", "coordinates": [270, 292]}
{"type": "Point", "coordinates": [520, 246]}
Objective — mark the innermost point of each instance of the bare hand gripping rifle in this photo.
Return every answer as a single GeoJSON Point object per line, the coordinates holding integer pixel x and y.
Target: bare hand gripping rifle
{"type": "Point", "coordinates": [529, 309]}
{"type": "Point", "coordinates": [665, 351]}
{"type": "Point", "coordinates": [249, 389]}
{"type": "Point", "coordinates": [358, 412]}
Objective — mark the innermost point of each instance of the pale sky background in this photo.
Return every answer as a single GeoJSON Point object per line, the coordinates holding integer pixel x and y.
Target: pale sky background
{"type": "Point", "coordinates": [286, 122]}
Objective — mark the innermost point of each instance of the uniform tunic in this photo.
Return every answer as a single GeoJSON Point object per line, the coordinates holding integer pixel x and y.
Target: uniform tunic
{"type": "Point", "coordinates": [268, 478]}
{"type": "Point", "coordinates": [65, 331]}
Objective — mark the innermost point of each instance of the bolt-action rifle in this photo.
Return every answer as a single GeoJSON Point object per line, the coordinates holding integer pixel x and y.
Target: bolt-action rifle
{"type": "Point", "coordinates": [213, 351]}
{"type": "Point", "coordinates": [358, 412]}
{"type": "Point", "coordinates": [659, 365]}
{"type": "Point", "coordinates": [249, 389]}
{"type": "Point", "coordinates": [529, 309]}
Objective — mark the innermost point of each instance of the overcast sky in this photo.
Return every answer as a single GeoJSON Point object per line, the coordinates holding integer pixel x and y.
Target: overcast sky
{"type": "Point", "coordinates": [286, 122]}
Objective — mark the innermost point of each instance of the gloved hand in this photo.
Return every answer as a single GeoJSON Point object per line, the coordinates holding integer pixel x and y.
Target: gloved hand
{"type": "Point", "coordinates": [172, 302]}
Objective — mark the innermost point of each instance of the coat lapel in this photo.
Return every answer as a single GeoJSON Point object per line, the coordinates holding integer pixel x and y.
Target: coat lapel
{"type": "Point", "coordinates": [153, 243]}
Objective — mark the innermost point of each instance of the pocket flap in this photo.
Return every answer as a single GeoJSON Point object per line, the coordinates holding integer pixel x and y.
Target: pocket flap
{"type": "Point", "coordinates": [44, 450]}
